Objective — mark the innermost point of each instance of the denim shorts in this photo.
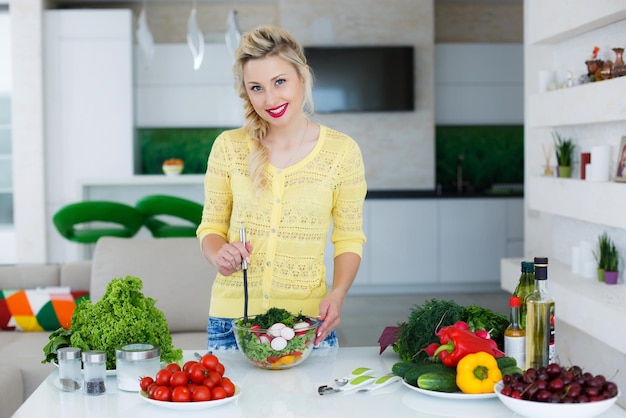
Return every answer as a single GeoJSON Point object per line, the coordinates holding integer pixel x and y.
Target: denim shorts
{"type": "Point", "coordinates": [221, 336]}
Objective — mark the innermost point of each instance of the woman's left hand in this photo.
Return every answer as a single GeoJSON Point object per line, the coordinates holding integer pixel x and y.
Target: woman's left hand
{"type": "Point", "coordinates": [330, 314]}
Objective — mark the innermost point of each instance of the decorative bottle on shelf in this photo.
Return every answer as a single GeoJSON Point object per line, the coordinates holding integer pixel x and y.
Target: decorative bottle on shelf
{"type": "Point", "coordinates": [525, 286]}
{"type": "Point", "coordinates": [540, 349]}
{"type": "Point", "coordinates": [514, 335]}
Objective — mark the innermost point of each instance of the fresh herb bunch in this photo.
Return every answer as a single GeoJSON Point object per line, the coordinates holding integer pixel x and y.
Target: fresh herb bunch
{"type": "Point", "coordinates": [423, 323]}
{"type": "Point", "coordinates": [273, 316]}
{"type": "Point", "coordinates": [122, 316]}
{"type": "Point", "coordinates": [409, 338]}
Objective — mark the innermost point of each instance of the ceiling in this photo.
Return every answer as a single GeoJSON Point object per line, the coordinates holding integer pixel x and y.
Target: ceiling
{"type": "Point", "coordinates": [95, 2]}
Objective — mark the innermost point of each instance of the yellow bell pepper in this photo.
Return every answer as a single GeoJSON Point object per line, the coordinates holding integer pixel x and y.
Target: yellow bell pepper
{"type": "Point", "coordinates": [477, 373]}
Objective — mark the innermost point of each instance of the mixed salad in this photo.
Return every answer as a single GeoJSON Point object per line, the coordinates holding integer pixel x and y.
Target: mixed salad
{"type": "Point", "coordinates": [276, 339]}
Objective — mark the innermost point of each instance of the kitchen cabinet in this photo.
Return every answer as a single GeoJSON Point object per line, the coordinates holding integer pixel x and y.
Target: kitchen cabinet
{"type": "Point", "coordinates": [7, 230]}
{"type": "Point", "coordinates": [403, 242]}
{"type": "Point", "coordinates": [479, 84]}
{"type": "Point", "coordinates": [170, 93]}
{"type": "Point", "coordinates": [472, 239]}
{"type": "Point", "coordinates": [89, 105]}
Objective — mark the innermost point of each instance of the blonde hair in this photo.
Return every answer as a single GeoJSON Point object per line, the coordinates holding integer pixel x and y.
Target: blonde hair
{"type": "Point", "coordinates": [262, 42]}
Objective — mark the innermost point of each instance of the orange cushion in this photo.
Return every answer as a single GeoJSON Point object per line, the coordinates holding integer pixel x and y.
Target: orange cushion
{"type": "Point", "coordinates": [44, 309]}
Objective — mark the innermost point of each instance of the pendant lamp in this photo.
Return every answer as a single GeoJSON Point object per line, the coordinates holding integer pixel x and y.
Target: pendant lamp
{"type": "Point", "coordinates": [144, 36]}
{"type": "Point", "coordinates": [233, 34]}
{"type": "Point", "coordinates": [195, 38]}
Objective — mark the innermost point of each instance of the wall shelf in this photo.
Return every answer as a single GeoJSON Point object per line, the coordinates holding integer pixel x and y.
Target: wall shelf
{"type": "Point", "coordinates": [592, 103]}
{"type": "Point", "coordinates": [590, 201]}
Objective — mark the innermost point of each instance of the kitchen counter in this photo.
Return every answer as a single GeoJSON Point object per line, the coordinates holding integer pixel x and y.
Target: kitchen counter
{"type": "Point", "coordinates": [285, 393]}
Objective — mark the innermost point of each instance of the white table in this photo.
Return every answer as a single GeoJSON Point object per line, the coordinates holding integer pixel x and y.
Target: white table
{"type": "Point", "coordinates": [278, 394]}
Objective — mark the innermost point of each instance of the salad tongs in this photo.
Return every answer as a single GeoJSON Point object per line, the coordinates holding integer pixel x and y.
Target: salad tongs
{"type": "Point", "coordinates": [356, 383]}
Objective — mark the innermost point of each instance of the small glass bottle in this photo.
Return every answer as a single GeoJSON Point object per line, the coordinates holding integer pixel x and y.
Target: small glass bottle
{"type": "Point", "coordinates": [540, 320]}
{"type": "Point", "coordinates": [70, 374]}
{"type": "Point", "coordinates": [514, 335]}
{"type": "Point", "coordinates": [94, 363]}
{"type": "Point", "coordinates": [525, 286]}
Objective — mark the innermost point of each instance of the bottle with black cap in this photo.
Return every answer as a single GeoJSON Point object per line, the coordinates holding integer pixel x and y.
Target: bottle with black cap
{"type": "Point", "coordinates": [540, 320]}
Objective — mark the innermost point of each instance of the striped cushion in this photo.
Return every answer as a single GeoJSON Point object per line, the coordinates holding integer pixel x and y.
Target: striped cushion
{"type": "Point", "coordinates": [41, 309]}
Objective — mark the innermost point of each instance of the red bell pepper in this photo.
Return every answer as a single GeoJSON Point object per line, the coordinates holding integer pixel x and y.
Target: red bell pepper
{"type": "Point", "coordinates": [457, 343]}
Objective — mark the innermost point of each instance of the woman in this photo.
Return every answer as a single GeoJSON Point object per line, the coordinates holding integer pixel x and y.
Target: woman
{"type": "Point", "coordinates": [283, 177]}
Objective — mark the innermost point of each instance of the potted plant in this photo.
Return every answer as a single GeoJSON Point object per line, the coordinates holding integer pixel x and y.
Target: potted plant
{"type": "Point", "coordinates": [564, 148]}
{"type": "Point", "coordinates": [604, 245]}
{"type": "Point", "coordinates": [611, 267]}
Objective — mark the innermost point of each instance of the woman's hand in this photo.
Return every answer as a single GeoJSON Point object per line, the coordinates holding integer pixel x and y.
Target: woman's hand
{"type": "Point", "coordinates": [230, 256]}
{"type": "Point", "coordinates": [226, 257]}
{"type": "Point", "coordinates": [330, 314]}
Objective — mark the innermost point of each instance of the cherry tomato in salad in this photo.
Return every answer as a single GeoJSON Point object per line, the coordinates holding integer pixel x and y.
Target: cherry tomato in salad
{"type": "Point", "coordinates": [201, 394]}
{"type": "Point", "coordinates": [181, 394]}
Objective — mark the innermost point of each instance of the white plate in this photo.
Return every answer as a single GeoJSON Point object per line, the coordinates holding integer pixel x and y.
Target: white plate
{"type": "Point", "coordinates": [191, 406]}
{"type": "Point", "coordinates": [448, 395]}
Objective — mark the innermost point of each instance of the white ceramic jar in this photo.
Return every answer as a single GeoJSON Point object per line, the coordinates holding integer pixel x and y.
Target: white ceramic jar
{"type": "Point", "coordinates": [135, 361]}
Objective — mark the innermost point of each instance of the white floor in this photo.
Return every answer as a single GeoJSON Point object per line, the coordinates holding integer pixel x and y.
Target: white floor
{"type": "Point", "coordinates": [364, 317]}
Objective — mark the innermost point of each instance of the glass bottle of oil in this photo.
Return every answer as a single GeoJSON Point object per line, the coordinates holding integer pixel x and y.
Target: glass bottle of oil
{"type": "Point", "coordinates": [525, 286]}
{"type": "Point", "coordinates": [540, 349]}
{"type": "Point", "coordinates": [514, 335]}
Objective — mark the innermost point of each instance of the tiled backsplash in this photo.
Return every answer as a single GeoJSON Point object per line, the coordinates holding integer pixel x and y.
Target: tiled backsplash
{"type": "Point", "coordinates": [491, 155]}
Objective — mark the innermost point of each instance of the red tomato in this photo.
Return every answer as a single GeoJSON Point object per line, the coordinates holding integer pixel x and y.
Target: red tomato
{"type": "Point", "coordinates": [197, 373]}
{"type": "Point", "coordinates": [208, 382]}
{"type": "Point", "coordinates": [209, 361]}
{"type": "Point", "coordinates": [215, 377]}
{"type": "Point", "coordinates": [178, 379]}
{"type": "Point", "coordinates": [188, 365]}
{"type": "Point", "coordinates": [181, 394]}
{"type": "Point", "coordinates": [218, 392]}
{"type": "Point", "coordinates": [192, 387]}
{"type": "Point", "coordinates": [145, 382]}
{"type": "Point", "coordinates": [163, 377]}
{"type": "Point", "coordinates": [151, 390]}
{"type": "Point", "coordinates": [162, 393]}
{"type": "Point", "coordinates": [173, 367]}
{"type": "Point", "coordinates": [201, 394]}
{"type": "Point", "coordinates": [220, 369]}
{"type": "Point", "coordinates": [229, 387]}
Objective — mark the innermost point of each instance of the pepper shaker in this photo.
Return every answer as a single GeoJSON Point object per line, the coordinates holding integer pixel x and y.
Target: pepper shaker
{"type": "Point", "coordinates": [94, 363]}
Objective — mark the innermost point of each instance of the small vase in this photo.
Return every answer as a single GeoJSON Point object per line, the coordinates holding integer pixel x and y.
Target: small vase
{"type": "Point", "coordinates": [565, 171]}
{"type": "Point", "coordinates": [600, 275]}
{"type": "Point", "coordinates": [593, 66]}
{"type": "Point", "coordinates": [619, 69]}
{"type": "Point", "coordinates": [610, 277]}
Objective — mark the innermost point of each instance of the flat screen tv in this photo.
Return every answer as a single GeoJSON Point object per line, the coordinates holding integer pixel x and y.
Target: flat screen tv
{"type": "Point", "coordinates": [362, 78]}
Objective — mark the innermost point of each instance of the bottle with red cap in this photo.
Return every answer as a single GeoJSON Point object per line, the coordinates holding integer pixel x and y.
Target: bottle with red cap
{"type": "Point", "coordinates": [514, 335]}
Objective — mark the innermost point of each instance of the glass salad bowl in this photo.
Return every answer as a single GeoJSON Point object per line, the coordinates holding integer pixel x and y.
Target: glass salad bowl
{"type": "Point", "coordinates": [278, 346]}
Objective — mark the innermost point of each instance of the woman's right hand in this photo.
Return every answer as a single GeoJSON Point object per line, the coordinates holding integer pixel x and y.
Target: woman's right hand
{"type": "Point", "coordinates": [230, 256]}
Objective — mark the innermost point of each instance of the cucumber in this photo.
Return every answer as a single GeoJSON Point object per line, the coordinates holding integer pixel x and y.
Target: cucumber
{"type": "Point", "coordinates": [438, 381]}
{"type": "Point", "coordinates": [400, 368]}
{"type": "Point", "coordinates": [504, 362]}
{"type": "Point", "coordinates": [511, 370]}
{"type": "Point", "coordinates": [414, 373]}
